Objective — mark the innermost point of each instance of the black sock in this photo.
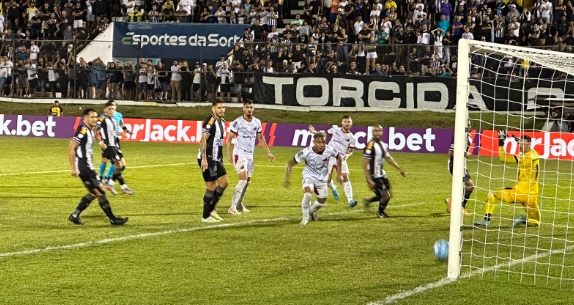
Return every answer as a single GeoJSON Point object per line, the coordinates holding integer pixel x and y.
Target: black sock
{"type": "Point", "coordinates": [207, 203]}
{"type": "Point", "coordinates": [84, 203]}
{"type": "Point", "coordinates": [118, 175]}
{"type": "Point", "coordinates": [105, 205]}
{"type": "Point", "coordinates": [216, 196]}
{"type": "Point", "coordinates": [466, 197]}
{"type": "Point", "coordinates": [383, 205]}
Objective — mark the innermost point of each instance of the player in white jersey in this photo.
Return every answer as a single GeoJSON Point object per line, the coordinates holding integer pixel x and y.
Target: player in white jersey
{"type": "Point", "coordinates": [245, 129]}
{"type": "Point", "coordinates": [315, 174]}
{"type": "Point", "coordinates": [343, 141]}
{"type": "Point", "coordinates": [374, 157]}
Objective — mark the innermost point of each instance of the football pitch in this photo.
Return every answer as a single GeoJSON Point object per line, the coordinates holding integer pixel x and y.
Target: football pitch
{"type": "Point", "coordinates": [165, 255]}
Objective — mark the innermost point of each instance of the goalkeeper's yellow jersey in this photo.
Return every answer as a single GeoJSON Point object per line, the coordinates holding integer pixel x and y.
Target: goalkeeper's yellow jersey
{"type": "Point", "coordinates": [528, 170]}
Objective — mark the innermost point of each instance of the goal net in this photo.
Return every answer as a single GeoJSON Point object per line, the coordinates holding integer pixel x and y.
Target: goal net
{"type": "Point", "coordinates": [522, 91]}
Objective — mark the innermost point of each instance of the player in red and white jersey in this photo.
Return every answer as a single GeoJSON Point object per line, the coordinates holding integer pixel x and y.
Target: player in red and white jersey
{"type": "Point", "coordinates": [244, 130]}
{"type": "Point", "coordinates": [342, 140]}
{"type": "Point", "coordinates": [315, 174]}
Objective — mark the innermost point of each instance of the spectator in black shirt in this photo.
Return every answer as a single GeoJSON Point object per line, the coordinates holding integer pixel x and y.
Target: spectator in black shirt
{"type": "Point", "coordinates": [257, 29]}
{"type": "Point", "coordinates": [186, 81]}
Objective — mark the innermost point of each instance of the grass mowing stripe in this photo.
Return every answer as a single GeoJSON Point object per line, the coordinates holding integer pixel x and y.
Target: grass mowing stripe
{"type": "Point", "coordinates": [169, 232]}
{"type": "Point", "coordinates": [445, 281]}
{"type": "Point", "coordinates": [67, 170]}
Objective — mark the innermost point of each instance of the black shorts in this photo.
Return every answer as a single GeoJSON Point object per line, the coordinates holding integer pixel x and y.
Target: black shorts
{"type": "Point", "coordinates": [112, 153]}
{"type": "Point", "coordinates": [215, 169]}
{"type": "Point", "coordinates": [225, 88]}
{"type": "Point", "coordinates": [466, 174]}
{"type": "Point", "coordinates": [90, 179]}
{"type": "Point", "coordinates": [382, 185]}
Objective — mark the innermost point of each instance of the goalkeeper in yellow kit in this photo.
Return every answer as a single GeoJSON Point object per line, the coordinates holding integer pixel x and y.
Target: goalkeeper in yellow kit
{"type": "Point", "coordinates": [525, 191]}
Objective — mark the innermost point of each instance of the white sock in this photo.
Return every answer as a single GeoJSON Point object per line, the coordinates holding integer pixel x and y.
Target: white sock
{"type": "Point", "coordinates": [305, 205]}
{"type": "Point", "coordinates": [332, 185]}
{"type": "Point", "coordinates": [316, 206]}
{"type": "Point", "coordinates": [348, 190]}
{"type": "Point", "coordinates": [237, 193]}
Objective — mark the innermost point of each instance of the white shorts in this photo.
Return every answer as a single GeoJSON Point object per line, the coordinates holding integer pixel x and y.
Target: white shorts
{"type": "Point", "coordinates": [243, 163]}
{"type": "Point", "coordinates": [320, 188]}
{"type": "Point", "coordinates": [333, 164]}
{"type": "Point", "coordinates": [372, 55]}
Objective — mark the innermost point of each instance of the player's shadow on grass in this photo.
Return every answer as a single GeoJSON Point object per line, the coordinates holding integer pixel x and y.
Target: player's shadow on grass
{"type": "Point", "coordinates": [163, 214]}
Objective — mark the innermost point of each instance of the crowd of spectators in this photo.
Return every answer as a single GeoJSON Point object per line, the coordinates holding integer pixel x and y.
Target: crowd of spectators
{"type": "Point", "coordinates": [40, 40]}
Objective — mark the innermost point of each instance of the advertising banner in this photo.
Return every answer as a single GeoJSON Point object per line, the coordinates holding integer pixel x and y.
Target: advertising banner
{"type": "Point", "coordinates": [550, 145]}
{"type": "Point", "coordinates": [175, 40]}
{"type": "Point", "coordinates": [37, 126]}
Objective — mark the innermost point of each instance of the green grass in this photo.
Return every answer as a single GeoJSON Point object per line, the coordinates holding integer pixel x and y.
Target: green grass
{"type": "Point", "coordinates": [426, 119]}
{"type": "Point", "coordinates": [164, 255]}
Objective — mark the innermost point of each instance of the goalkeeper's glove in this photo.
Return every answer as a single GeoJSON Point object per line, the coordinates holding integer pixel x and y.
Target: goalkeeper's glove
{"type": "Point", "coordinates": [502, 135]}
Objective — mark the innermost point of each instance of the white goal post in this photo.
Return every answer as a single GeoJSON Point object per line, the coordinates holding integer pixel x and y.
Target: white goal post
{"type": "Point", "coordinates": [469, 51]}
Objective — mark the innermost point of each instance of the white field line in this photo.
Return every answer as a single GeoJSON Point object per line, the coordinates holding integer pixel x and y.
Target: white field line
{"type": "Point", "coordinates": [169, 232]}
{"type": "Point", "coordinates": [445, 281]}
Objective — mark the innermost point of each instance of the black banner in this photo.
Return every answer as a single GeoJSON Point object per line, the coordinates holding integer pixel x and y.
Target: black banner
{"type": "Point", "coordinates": [425, 93]}
{"type": "Point", "coordinates": [355, 91]}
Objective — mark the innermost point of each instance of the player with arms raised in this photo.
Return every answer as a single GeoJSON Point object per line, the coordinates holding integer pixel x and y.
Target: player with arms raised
{"type": "Point", "coordinates": [315, 174]}
{"type": "Point", "coordinates": [245, 129]}
{"type": "Point", "coordinates": [343, 141]}
{"type": "Point", "coordinates": [374, 157]}
{"type": "Point", "coordinates": [80, 154]}
{"type": "Point", "coordinates": [468, 184]}
{"type": "Point", "coordinates": [525, 191]}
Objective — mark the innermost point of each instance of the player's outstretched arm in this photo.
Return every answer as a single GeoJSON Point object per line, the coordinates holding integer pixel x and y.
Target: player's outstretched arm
{"type": "Point", "coordinates": [312, 129]}
{"type": "Point", "coordinates": [262, 140]}
{"type": "Point", "coordinates": [288, 169]}
{"type": "Point", "coordinates": [394, 164]}
{"type": "Point", "coordinates": [502, 135]}
{"type": "Point", "coordinates": [72, 157]}
{"type": "Point", "coordinates": [230, 138]}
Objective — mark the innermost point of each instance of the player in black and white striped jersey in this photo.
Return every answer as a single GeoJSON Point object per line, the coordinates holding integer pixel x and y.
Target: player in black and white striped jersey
{"type": "Point", "coordinates": [315, 174]}
{"type": "Point", "coordinates": [244, 131]}
{"type": "Point", "coordinates": [210, 160]}
{"type": "Point", "coordinates": [80, 153]}
{"type": "Point", "coordinates": [374, 157]}
{"type": "Point", "coordinates": [107, 131]}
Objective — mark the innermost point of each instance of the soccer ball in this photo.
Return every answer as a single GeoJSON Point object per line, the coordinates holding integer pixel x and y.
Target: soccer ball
{"type": "Point", "coordinates": [440, 250]}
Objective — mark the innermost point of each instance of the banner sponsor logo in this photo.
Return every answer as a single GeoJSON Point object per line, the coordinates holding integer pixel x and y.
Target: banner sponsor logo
{"type": "Point", "coordinates": [175, 40]}
{"type": "Point", "coordinates": [211, 40]}
{"type": "Point", "coordinates": [549, 145]}
{"type": "Point", "coordinates": [36, 126]}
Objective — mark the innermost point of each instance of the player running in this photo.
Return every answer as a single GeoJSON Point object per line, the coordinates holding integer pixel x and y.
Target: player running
{"type": "Point", "coordinates": [80, 154]}
{"type": "Point", "coordinates": [107, 127]}
{"type": "Point", "coordinates": [315, 174]}
{"type": "Point", "coordinates": [343, 141]}
{"type": "Point", "coordinates": [525, 191]}
{"type": "Point", "coordinates": [245, 129]}
{"type": "Point", "coordinates": [468, 184]}
{"type": "Point", "coordinates": [374, 157]}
